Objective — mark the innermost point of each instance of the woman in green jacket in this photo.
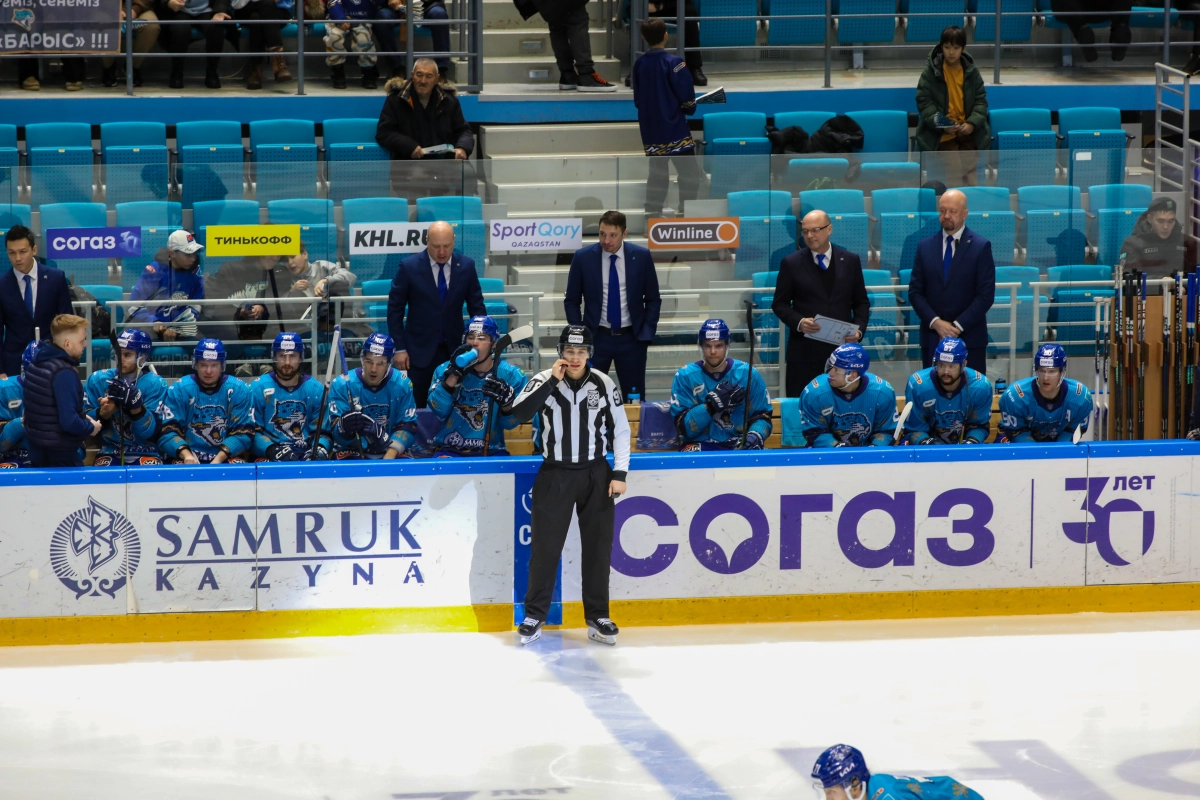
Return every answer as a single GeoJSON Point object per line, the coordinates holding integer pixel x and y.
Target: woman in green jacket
{"type": "Point", "coordinates": [951, 89]}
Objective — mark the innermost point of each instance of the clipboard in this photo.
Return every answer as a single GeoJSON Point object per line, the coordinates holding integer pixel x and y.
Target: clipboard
{"type": "Point", "coordinates": [833, 331]}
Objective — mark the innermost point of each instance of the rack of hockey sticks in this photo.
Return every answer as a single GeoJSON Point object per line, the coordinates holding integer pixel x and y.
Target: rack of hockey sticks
{"type": "Point", "coordinates": [1145, 357]}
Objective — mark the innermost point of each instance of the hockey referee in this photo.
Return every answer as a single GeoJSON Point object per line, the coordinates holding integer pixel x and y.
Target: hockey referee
{"type": "Point", "coordinates": [582, 418]}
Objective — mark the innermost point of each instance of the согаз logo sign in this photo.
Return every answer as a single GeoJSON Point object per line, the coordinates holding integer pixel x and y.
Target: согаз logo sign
{"type": "Point", "coordinates": [94, 550]}
{"type": "Point", "coordinates": [1098, 532]}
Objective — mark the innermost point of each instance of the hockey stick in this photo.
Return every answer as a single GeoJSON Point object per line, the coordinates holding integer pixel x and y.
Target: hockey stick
{"type": "Point", "coordinates": [750, 306]}
{"type": "Point", "coordinates": [316, 434]}
{"type": "Point", "coordinates": [899, 432]}
{"type": "Point", "coordinates": [1165, 377]}
{"type": "Point", "coordinates": [1189, 389]}
{"type": "Point", "coordinates": [1142, 360]}
{"type": "Point", "coordinates": [275, 291]}
{"type": "Point", "coordinates": [1077, 435]}
{"type": "Point", "coordinates": [1105, 328]}
{"type": "Point", "coordinates": [1096, 357]}
{"type": "Point", "coordinates": [1115, 332]}
{"type": "Point", "coordinates": [354, 403]}
{"type": "Point", "coordinates": [1177, 354]}
{"type": "Point", "coordinates": [519, 335]}
{"type": "Point", "coordinates": [1130, 413]}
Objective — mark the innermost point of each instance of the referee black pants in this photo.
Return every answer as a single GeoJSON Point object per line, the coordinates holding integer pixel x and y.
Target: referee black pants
{"type": "Point", "coordinates": [556, 492]}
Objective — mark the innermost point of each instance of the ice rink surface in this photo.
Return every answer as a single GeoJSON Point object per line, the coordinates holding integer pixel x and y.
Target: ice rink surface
{"type": "Point", "coordinates": [1082, 707]}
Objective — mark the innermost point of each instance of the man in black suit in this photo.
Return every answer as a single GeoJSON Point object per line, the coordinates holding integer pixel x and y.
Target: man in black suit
{"type": "Point", "coordinates": [431, 288]}
{"type": "Point", "coordinates": [623, 321]}
{"type": "Point", "coordinates": [31, 296]}
{"type": "Point", "coordinates": [819, 279]}
{"type": "Point", "coordinates": [953, 284]}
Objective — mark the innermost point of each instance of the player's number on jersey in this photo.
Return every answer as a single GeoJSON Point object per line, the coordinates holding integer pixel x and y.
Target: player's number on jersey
{"type": "Point", "coordinates": [1008, 421]}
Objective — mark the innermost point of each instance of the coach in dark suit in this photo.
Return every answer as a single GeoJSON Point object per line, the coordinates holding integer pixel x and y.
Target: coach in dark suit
{"type": "Point", "coordinates": [618, 285]}
{"type": "Point", "coordinates": [820, 278]}
{"type": "Point", "coordinates": [953, 284]}
{"type": "Point", "coordinates": [431, 287]}
{"type": "Point", "coordinates": [31, 296]}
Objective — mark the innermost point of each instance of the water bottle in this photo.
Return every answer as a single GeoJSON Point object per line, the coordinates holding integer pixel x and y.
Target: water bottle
{"type": "Point", "coordinates": [633, 398]}
{"type": "Point", "coordinates": [1001, 385]}
{"type": "Point", "coordinates": [466, 359]}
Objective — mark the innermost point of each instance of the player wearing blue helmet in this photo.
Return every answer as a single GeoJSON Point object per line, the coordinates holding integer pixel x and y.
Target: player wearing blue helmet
{"type": "Point", "coordinates": [463, 390]}
{"type": "Point", "coordinates": [287, 404]}
{"type": "Point", "coordinates": [708, 397]}
{"type": "Point", "coordinates": [1048, 407]}
{"type": "Point", "coordinates": [372, 410]}
{"type": "Point", "coordinates": [953, 403]}
{"type": "Point", "coordinates": [840, 773]}
{"type": "Point", "coordinates": [848, 406]}
{"type": "Point", "coordinates": [208, 416]}
{"type": "Point", "coordinates": [14, 448]}
{"type": "Point", "coordinates": [125, 398]}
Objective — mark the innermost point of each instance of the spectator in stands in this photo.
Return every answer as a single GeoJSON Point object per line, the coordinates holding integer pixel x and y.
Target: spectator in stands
{"type": "Point", "coordinates": [179, 37]}
{"type": "Point", "coordinates": [31, 296]}
{"type": "Point", "coordinates": [952, 87]}
{"type": "Point", "coordinates": [145, 35]}
{"type": "Point", "coordinates": [264, 38]}
{"type": "Point", "coordinates": [349, 31]}
{"type": "Point", "coordinates": [1157, 245]}
{"type": "Point", "coordinates": [389, 38]}
{"type": "Point", "coordinates": [55, 424]}
{"type": "Point", "coordinates": [420, 114]}
{"type": "Point", "coordinates": [172, 276]}
{"type": "Point", "coordinates": [664, 97]}
{"type": "Point", "coordinates": [74, 70]}
{"type": "Point", "coordinates": [618, 286]}
{"type": "Point", "coordinates": [669, 11]}
{"type": "Point", "coordinates": [425, 306]}
{"type": "Point", "coordinates": [953, 284]}
{"type": "Point", "coordinates": [819, 279]}
{"type": "Point", "coordinates": [571, 40]}
{"type": "Point", "coordinates": [247, 281]}
{"type": "Point", "coordinates": [1079, 14]}
{"type": "Point", "coordinates": [318, 279]}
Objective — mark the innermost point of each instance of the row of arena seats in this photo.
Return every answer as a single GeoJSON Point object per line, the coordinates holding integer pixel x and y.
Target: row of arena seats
{"type": "Point", "coordinates": [875, 21]}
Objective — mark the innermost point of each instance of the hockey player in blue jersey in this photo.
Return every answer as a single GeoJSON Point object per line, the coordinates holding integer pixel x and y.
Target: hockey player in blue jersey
{"type": "Point", "coordinates": [208, 416]}
{"type": "Point", "coordinates": [708, 398]}
{"type": "Point", "coordinates": [124, 399]}
{"type": "Point", "coordinates": [461, 396]}
{"type": "Point", "coordinates": [287, 404]}
{"type": "Point", "coordinates": [946, 395]}
{"type": "Point", "coordinates": [373, 414]}
{"type": "Point", "coordinates": [14, 449]}
{"type": "Point", "coordinates": [840, 773]}
{"type": "Point", "coordinates": [1048, 407]}
{"type": "Point", "coordinates": [848, 406]}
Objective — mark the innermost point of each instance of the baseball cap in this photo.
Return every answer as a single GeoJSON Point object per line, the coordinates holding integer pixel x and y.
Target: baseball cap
{"type": "Point", "coordinates": [184, 242]}
{"type": "Point", "coordinates": [1162, 204]}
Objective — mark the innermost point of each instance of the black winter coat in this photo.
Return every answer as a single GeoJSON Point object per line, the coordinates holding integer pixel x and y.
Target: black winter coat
{"type": "Point", "coordinates": [397, 130]}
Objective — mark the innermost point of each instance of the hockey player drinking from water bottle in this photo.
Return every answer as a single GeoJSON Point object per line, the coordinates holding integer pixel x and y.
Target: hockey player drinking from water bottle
{"type": "Point", "coordinates": [466, 396]}
{"type": "Point", "coordinates": [287, 405]}
{"type": "Point", "coordinates": [708, 398]}
{"type": "Point", "coordinates": [952, 403]}
{"type": "Point", "coordinates": [1048, 407]}
{"type": "Point", "coordinates": [848, 406]}
{"type": "Point", "coordinates": [840, 773]}
{"type": "Point", "coordinates": [374, 414]}
{"type": "Point", "coordinates": [208, 416]}
{"type": "Point", "coordinates": [125, 399]}
{"type": "Point", "coordinates": [582, 418]}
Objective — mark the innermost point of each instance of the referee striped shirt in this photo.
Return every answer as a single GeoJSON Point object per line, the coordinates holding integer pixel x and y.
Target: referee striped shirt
{"type": "Point", "coordinates": [581, 420]}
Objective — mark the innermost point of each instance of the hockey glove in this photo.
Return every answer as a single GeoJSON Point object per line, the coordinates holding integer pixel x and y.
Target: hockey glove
{"type": "Point", "coordinates": [320, 453]}
{"type": "Point", "coordinates": [971, 440]}
{"type": "Point", "coordinates": [498, 390]}
{"type": "Point", "coordinates": [125, 394]}
{"type": "Point", "coordinates": [929, 440]}
{"type": "Point", "coordinates": [284, 451]}
{"type": "Point", "coordinates": [754, 441]}
{"type": "Point", "coordinates": [1194, 434]}
{"type": "Point", "coordinates": [354, 423]}
{"type": "Point", "coordinates": [453, 369]}
{"type": "Point", "coordinates": [377, 438]}
{"type": "Point", "coordinates": [724, 398]}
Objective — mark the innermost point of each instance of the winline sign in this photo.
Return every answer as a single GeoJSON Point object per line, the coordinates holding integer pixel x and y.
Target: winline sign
{"type": "Point", "coordinates": [692, 234]}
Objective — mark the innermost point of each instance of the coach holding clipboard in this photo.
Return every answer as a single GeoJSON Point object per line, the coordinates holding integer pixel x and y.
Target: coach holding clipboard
{"type": "Point", "coordinates": [820, 279]}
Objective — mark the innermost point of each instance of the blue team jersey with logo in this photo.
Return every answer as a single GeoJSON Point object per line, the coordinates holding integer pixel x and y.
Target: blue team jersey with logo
{"type": "Point", "coordinates": [391, 404]}
{"type": "Point", "coordinates": [1027, 417]}
{"type": "Point", "coordinates": [204, 420]}
{"type": "Point", "coordinates": [941, 416]}
{"type": "Point", "coordinates": [13, 446]}
{"type": "Point", "coordinates": [464, 413]}
{"type": "Point", "coordinates": [900, 787]}
{"type": "Point", "coordinates": [140, 435]}
{"type": "Point", "coordinates": [692, 418]}
{"type": "Point", "coordinates": [866, 416]}
{"type": "Point", "coordinates": [286, 416]}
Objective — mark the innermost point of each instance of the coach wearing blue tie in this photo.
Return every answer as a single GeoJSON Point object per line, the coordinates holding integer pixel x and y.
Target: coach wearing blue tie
{"type": "Point", "coordinates": [953, 284]}
{"type": "Point", "coordinates": [431, 288]}
{"type": "Point", "coordinates": [617, 284]}
{"type": "Point", "coordinates": [31, 296]}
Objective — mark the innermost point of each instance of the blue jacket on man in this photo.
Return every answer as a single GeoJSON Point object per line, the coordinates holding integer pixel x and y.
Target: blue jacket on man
{"type": "Point", "coordinates": [963, 298]}
{"type": "Point", "coordinates": [584, 282]}
{"type": "Point", "coordinates": [665, 97]}
{"type": "Point", "coordinates": [430, 321]}
{"type": "Point", "coordinates": [17, 324]}
{"type": "Point", "coordinates": [54, 418]}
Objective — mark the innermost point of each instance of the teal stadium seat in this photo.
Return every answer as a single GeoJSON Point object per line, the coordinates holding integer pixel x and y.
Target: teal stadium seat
{"type": "Point", "coordinates": [466, 215]}
{"type": "Point", "coordinates": [134, 156]}
{"type": "Point", "coordinates": [991, 216]}
{"type": "Point", "coordinates": [371, 209]}
{"type": "Point", "coordinates": [1114, 225]}
{"type": "Point", "coordinates": [874, 21]}
{"type": "Point", "coordinates": [1115, 195]}
{"type": "Point", "coordinates": [283, 156]}
{"type": "Point", "coordinates": [847, 212]}
{"type": "Point", "coordinates": [498, 310]}
{"type": "Point", "coordinates": [211, 161]}
{"type": "Point", "coordinates": [374, 288]}
{"type": "Point", "coordinates": [885, 135]}
{"type": "Point", "coordinates": [794, 31]}
{"type": "Point", "coordinates": [1016, 23]}
{"type": "Point", "coordinates": [355, 166]}
{"type": "Point", "coordinates": [767, 230]}
{"type": "Point", "coordinates": [765, 319]}
{"type": "Point", "coordinates": [10, 161]}
{"type": "Point", "coordinates": [318, 230]}
{"type": "Point", "coordinates": [220, 212]}
{"type": "Point", "coordinates": [728, 32]}
{"type": "Point", "coordinates": [737, 151]}
{"type": "Point", "coordinates": [929, 29]}
{"type": "Point", "coordinates": [60, 161]}
{"type": "Point", "coordinates": [1095, 143]}
{"type": "Point", "coordinates": [1026, 146]}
